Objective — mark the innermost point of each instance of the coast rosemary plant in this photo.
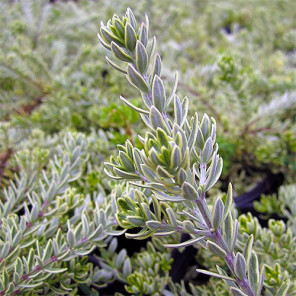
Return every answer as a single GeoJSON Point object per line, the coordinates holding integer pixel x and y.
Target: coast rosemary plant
{"type": "Point", "coordinates": [179, 164]}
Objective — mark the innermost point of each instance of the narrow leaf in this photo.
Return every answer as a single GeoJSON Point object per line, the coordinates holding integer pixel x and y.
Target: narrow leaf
{"type": "Point", "coordinates": [185, 244]}
{"type": "Point", "coordinates": [141, 57]}
{"type": "Point", "coordinates": [220, 276]}
{"type": "Point", "coordinates": [136, 79]}
{"type": "Point", "coordinates": [120, 53]}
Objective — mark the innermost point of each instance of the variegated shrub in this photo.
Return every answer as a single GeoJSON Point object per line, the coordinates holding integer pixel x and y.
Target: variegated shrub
{"type": "Point", "coordinates": [178, 164]}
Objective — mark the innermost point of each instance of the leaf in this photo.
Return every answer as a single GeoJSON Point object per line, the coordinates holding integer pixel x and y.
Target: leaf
{"type": "Point", "coordinates": [237, 292]}
{"type": "Point", "coordinates": [126, 161]}
{"type": "Point", "coordinates": [141, 57]}
{"type": "Point", "coordinates": [31, 286]}
{"type": "Point", "coordinates": [284, 288]}
{"type": "Point", "coordinates": [163, 172]}
{"type": "Point", "coordinates": [240, 266]}
{"type": "Point", "coordinates": [135, 220]}
{"type": "Point", "coordinates": [218, 213]}
{"type": "Point", "coordinates": [158, 93]}
{"type": "Point", "coordinates": [185, 244]}
{"type": "Point", "coordinates": [234, 234]}
{"type": "Point", "coordinates": [125, 175]}
{"type": "Point", "coordinates": [104, 43]}
{"type": "Point", "coordinates": [153, 225]}
{"type": "Point", "coordinates": [54, 270]}
{"type": "Point", "coordinates": [136, 79]}
{"type": "Point", "coordinates": [253, 271]}
{"type": "Point", "coordinates": [127, 267]}
{"type": "Point", "coordinates": [177, 110]}
{"type": "Point", "coordinates": [115, 66]}
{"type": "Point", "coordinates": [131, 18]}
{"type": "Point", "coordinates": [156, 119]}
{"type": "Point", "coordinates": [165, 197]}
{"type": "Point", "coordinates": [137, 109]}
{"type": "Point", "coordinates": [171, 216]}
{"type": "Point", "coordinates": [214, 248]}
{"type": "Point", "coordinates": [152, 49]}
{"type": "Point", "coordinates": [143, 36]}
{"type": "Point", "coordinates": [173, 91]}
{"type": "Point", "coordinates": [214, 171]}
{"type": "Point", "coordinates": [220, 276]}
{"type": "Point", "coordinates": [156, 67]}
{"type": "Point", "coordinates": [229, 201]}
{"type": "Point", "coordinates": [120, 53]}
{"type": "Point", "coordinates": [193, 133]}
{"type": "Point", "coordinates": [207, 150]}
{"type": "Point", "coordinates": [143, 234]}
{"type": "Point", "coordinates": [261, 282]}
{"type": "Point", "coordinates": [175, 158]}
{"type": "Point", "coordinates": [130, 37]}
{"type": "Point", "coordinates": [189, 191]}
{"type": "Point", "coordinates": [109, 36]}
{"type": "Point", "coordinates": [248, 249]}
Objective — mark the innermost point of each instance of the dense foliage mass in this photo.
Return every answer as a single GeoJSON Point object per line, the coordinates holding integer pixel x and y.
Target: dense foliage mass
{"type": "Point", "coordinates": [64, 220]}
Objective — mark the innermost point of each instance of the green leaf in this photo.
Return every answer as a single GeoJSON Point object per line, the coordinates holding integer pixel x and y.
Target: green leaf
{"type": "Point", "coordinates": [214, 171]}
{"type": "Point", "coordinates": [143, 36]}
{"type": "Point", "coordinates": [127, 267]}
{"type": "Point", "coordinates": [193, 133]}
{"type": "Point", "coordinates": [237, 292]}
{"type": "Point", "coordinates": [115, 66]}
{"type": "Point", "coordinates": [152, 49]}
{"type": "Point", "coordinates": [136, 79]}
{"type": "Point", "coordinates": [207, 150]}
{"type": "Point", "coordinates": [229, 201]}
{"type": "Point", "coordinates": [125, 175]}
{"type": "Point", "coordinates": [120, 53]}
{"type": "Point", "coordinates": [163, 172]}
{"type": "Point", "coordinates": [143, 234]}
{"type": "Point", "coordinates": [156, 67]}
{"type": "Point", "coordinates": [131, 18]}
{"type": "Point", "coordinates": [214, 248]}
{"type": "Point", "coordinates": [189, 191]}
{"type": "Point", "coordinates": [178, 110]}
{"type": "Point", "coordinates": [130, 37]}
{"type": "Point", "coordinates": [126, 162]}
{"type": "Point", "coordinates": [240, 266]}
{"type": "Point", "coordinates": [253, 271]}
{"type": "Point", "coordinates": [31, 286]}
{"type": "Point", "coordinates": [248, 249]}
{"type": "Point", "coordinates": [109, 36]}
{"type": "Point", "coordinates": [156, 119]}
{"type": "Point", "coordinates": [103, 42]}
{"type": "Point", "coordinates": [54, 270]}
{"type": "Point", "coordinates": [220, 276]}
{"type": "Point", "coordinates": [135, 220]}
{"type": "Point", "coordinates": [284, 288]}
{"type": "Point", "coordinates": [153, 225]}
{"type": "Point", "coordinates": [158, 93]}
{"type": "Point", "coordinates": [175, 158]}
{"type": "Point", "coordinates": [141, 57]}
{"type": "Point", "coordinates": [186, 243]}
{"type": "Point", "coordinates": [173, 91]}
{"type": "Point", "coordinates": [218, 213]}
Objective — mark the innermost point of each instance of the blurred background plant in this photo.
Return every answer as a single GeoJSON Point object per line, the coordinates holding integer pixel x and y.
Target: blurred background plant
{"type": "Point", "coordinates": [236, 61]}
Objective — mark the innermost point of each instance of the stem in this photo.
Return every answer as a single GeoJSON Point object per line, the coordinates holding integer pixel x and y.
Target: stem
{"type": "Point", "coordinates": [217, 236]}
{"type": "Point", "coordinates": [27, 275]}
{"type": "Point", "coordinates": [229, 259]}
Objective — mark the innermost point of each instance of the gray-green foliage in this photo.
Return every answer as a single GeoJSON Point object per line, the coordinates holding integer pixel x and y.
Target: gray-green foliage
{"type": "Point", "coordinates": [40, 245]}
{"type": "Point", "coordinates": [51, 80]}
{"type": "Point", "coordinates": [179, 163]}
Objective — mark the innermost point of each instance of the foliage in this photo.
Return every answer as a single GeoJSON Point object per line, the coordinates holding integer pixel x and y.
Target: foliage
{"type": "Point", "coordinates": [63, 220]}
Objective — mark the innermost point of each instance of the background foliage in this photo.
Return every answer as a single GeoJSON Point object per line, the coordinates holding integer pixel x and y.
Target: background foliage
{"type": "Point", "coordinates": [61, 118]}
